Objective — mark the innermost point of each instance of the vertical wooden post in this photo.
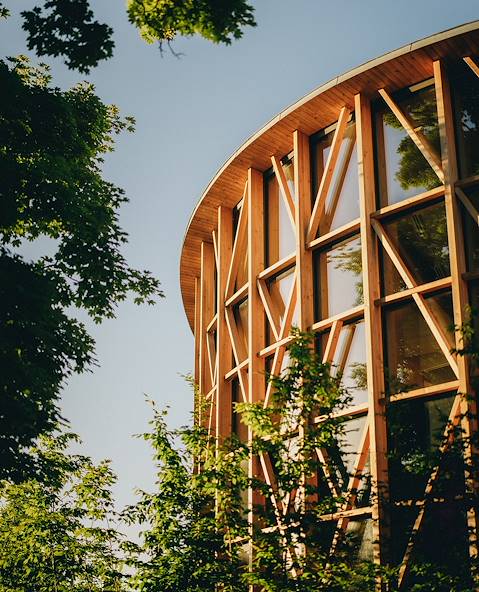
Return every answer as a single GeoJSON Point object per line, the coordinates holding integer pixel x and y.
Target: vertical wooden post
{"type": "Point", "coordinates": [197, 329]}
{"type": "Point", "coordinates": [207, 305]}
{"type": "Point", "coordinates": [372, 320]}
{"type": "Point", "coordinates": [460, 298]}
{"type": "Point", "coordinates": [256, 325]}
{"type": "Point", "coordinates": [223, 347]}
{"type": "Point", "coordinates": [304, 257]}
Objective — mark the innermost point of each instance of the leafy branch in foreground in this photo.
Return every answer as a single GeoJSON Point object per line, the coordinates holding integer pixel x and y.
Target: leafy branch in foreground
{"type": "Point", "coordinates": [52, 145]}
{"type": "Point", "coordinates": [58, 533]}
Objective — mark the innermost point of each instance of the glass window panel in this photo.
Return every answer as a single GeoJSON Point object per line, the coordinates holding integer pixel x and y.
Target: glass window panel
{"type": "Point", "coordinates": [415, 432]}
{"type": "Point", "coordinates": [342, 201]}
{"type": "Point", "coordinates": [465, 89]}
{"type": "Point", "coordinates": [359, 539]}
{"type": "Point", "coordinates": [350, 359]}
{"type": "Point", "coordinates": [242, 275]}
{"type": "Point", "coordinates": [338, 278]}
{"type": "Point", "coordinates": [403, 170]}
{"type": "Point", "coordinates": [238, 427]}
{"type": "Point", "coordinates": [413, 357]}
{"type": "Point", "coordinates": [279, 236]}
{"type": "Point", "coordinates": [240, 312]}
{"type": "Point", "coordinates": [421, 240]}
{"type": "Point", "coordinates": [344, 456]}
{"type": "Point", "coordinates": [471, 232]}
{"type": "Point", "coordinates": [279, 288]}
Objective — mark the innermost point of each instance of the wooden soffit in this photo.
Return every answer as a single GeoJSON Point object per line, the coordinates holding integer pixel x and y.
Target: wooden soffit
{"type": "Point", "coordinates": [397, 69]}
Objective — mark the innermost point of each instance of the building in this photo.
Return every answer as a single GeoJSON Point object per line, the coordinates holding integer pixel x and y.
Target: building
{"type": "Point", "coordinates": [354, 214]}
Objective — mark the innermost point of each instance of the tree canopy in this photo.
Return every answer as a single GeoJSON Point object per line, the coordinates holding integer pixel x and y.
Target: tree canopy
{"type": "Point", "coordinates": [51, 149]}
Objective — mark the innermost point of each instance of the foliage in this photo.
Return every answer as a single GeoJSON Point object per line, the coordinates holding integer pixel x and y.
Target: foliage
{"type": "Point", "coordinates": [192, 517]}
{"type": "Point", "coordinates": [56, 534]}
{"type": "Point", "coordinates": [67, 28]}
{"type": "Point", "coordinates": [216, 20]}
{"type": "Point", "coordinates": [53, 191]}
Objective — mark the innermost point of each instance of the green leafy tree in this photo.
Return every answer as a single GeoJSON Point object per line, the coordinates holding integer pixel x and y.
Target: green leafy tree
{"type": "Point", "coordinates": [193, 516]}
{"type": "Point", "coordinates": [52, 144]}
{"type": "Point", "coordinates": [68, 28]}
{"type": "Point", "coordinates": [57, 534]}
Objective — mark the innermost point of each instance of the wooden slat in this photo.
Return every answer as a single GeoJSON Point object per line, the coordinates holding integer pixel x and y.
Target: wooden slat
{"type": "Point", "coordinates": [373, 331]}
{"type": "Point", "coordinates": [304, 258]}
{"type": "Point", "coordinates": [223, 350]}
{"type": "Point", "coordinates": [238, 249]}
{"type": "Point", "coordinates": [256, 325]}
{"type": "Point", "coordinates": [460, 299]}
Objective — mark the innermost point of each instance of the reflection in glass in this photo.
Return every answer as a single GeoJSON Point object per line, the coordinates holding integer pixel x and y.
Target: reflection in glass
{"type": "Point", "coordinates": [350, 360]}
{"type": "Point", "coordinates": [413, 356]}
{"type": "Point", "coordinates": [421, 240]}
{"type": "Point", "coordinates": [342, 201]}
{"type": "Point", "coordinates": [465, 89]}
{"type": "Point", "coordinates": [240, 312]}
{"type": "Point", "coordinates": [403, 171]}
{"type": "Point", "coordinates": [415, 432]}
{"type": "Point", "coordinates": [359, 539]}
{"type": "Point", "coordinates": [279, 231]}
{"type": "Point", "coordinates": [338, 278]}
{"type": "Point", "coordinates": [345, 455]}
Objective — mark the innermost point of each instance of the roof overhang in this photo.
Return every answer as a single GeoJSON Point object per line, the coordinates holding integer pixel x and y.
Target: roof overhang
{"type": "Point", "coordinates": [394, 70]}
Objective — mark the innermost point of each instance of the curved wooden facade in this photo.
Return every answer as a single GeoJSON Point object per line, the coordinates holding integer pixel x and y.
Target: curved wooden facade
{"type": "Point", "coordinates": [353, 214]}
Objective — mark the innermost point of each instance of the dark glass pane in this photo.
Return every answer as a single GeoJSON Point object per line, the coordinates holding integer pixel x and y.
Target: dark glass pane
{"type": "Point", "coordinates": [338, 278]}
{"type": "Point", "coordinates": [465, 90]}
{"type": "Point", "coordinates": [240, 312]}
{"type": "Point", "coordinates": [403, 171]}
{"type": "Point", "coordinates": [413, 357]}
{"type": "Point", "coordinates": [279, 288]}
{"type": "Point", "coordinates": [415, 432]}
{"type": "Point", "coordinates": [342, 201]}
{"type": "Point", "coordinates": [421, 239]}
{"type": "Point", "coordinates": [439, 559]}
{"type": "Point", "coordinates": [242, 276]}
{"type": "Point", "coordinates": [279, 232]}
{"type": "Point", "coordinates": [238, 427]}
{"type": "Point", "coordinates": [471, 232]}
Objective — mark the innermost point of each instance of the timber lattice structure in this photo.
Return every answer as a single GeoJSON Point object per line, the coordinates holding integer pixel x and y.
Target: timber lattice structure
{"type": "Point", "coordinates": [353, 214]}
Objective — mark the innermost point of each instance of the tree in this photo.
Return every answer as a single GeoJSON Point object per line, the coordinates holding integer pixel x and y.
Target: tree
{"type": "Point", "coordinates": [51, 148]}
{"type": "Point", "coordinates": [197, 536]}
{"type": "Point", "coordinates": [57, 534]}
{"type": "Point", "coordinates": [67, 27]}
{"type": "Point", "coordinates": [193, 516]}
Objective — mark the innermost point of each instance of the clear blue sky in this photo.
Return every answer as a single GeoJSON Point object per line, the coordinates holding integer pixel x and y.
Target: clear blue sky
{"type": "Point", "coordinates": [192, 113]}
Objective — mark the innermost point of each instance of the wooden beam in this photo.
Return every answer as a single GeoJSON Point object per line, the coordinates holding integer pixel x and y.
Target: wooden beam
{"type": "Point", "coordinates": [460, 299]}
{"type": "Point", "coordinates": [373, 332]}
{"type": "Point", "coordinates": [319, 204]}
{"type": "Point", "coordinates": [472, 64]}
{"type": "Point", "coordinates": [416, 136]}
{"type": "Point", "coordinates": [256, 325]}
{"type": "Point", "coordinates": [207, 303]}
{"type": "Point", "coordinates": [304, 258]}
{"type": "Point", "coordinates": [223, 348]}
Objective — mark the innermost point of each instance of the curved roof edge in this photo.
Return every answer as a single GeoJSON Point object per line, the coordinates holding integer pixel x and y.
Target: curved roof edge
{"type": "Point", "coordinates": [395, 69]}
